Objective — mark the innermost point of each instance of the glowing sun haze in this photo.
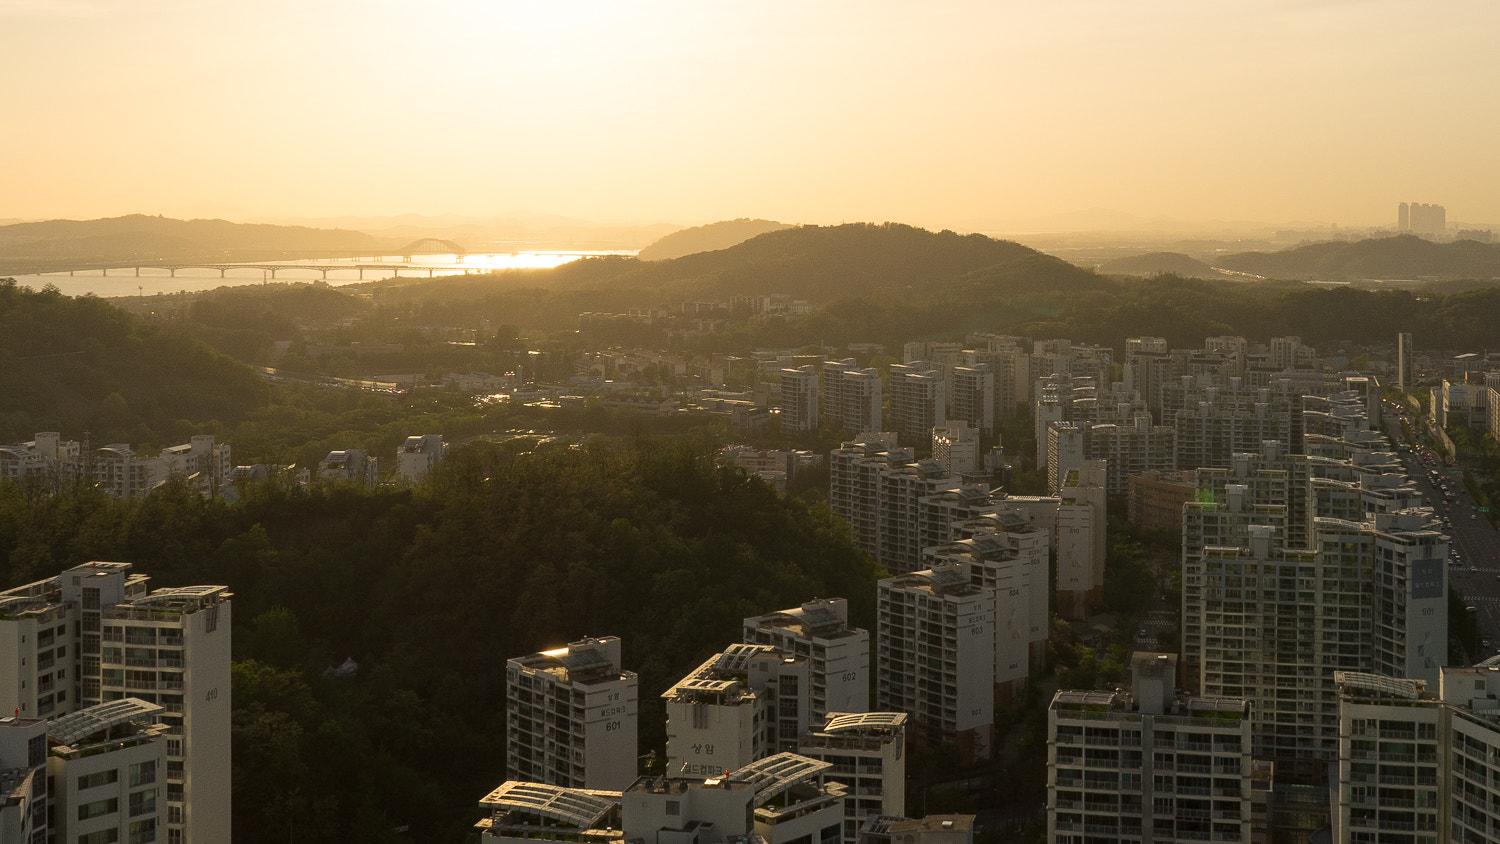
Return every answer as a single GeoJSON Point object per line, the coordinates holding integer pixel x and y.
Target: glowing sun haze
{"type": "Point", "coordinates": [958, 114]}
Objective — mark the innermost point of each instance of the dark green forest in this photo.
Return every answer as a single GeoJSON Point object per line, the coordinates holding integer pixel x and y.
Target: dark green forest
{"type": "Point", "coordinates": [510, 549]}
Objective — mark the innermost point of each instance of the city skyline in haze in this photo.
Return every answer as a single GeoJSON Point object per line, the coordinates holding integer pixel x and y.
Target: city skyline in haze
{"type": "Point", "coordinates": [967, 115]}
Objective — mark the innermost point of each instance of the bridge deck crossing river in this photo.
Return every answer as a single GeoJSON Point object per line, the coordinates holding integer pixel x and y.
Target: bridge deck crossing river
{"type": "Point", "coordinates": [272, 269]}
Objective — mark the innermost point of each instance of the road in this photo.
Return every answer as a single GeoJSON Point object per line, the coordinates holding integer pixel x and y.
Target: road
{"type": "Point", "coordinates": [1476, 572]}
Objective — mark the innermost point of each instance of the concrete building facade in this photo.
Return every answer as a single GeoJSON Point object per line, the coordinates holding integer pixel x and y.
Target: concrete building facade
{"type": "Point", "coordinates": [571, 716]}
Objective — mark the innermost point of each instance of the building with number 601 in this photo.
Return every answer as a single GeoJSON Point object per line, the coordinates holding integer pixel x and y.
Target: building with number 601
{"type": "Point", "coordinates": [571, 717]}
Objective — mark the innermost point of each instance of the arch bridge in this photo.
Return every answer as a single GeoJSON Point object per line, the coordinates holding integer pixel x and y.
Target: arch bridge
{"type": "Point", "coordinates": [430, 246]}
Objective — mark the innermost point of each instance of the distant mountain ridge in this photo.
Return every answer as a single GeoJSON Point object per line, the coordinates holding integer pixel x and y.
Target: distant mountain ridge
{"type": "Point", "coordinates": [709, 238]}
{"type": "Point", "coordinates": [1401, 257]}
{"type": "Point", "coordinates": [36, 246]}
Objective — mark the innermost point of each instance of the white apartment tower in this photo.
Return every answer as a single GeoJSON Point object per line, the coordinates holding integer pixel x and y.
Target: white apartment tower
{"type": "Point", "coordinates": [738, 706]}
{"type": "Point", "coordinates": [799, 399]}
{"type": "Point", "coordinates": [1276, 623]}
{"type": "Point", "coordinates": [935, 658]}
{"type": "Point", "coordinates": [839, 655]}
{"type": "Point", "coordinates": [108, 766]}
{"type": "Point", "coordinates": [868, 754]}
{"type": "Point", "coordinates": [23, 780]}
{"type": "Point", "coordinates": [1008, 555]}
{"type": "Point", "coordinates": [972, 400]}
{"type": "Point", "coordinates": [851, 396]}
{"type": "Point", "coordinates": [1146, 765]}
{"type": "Point", "coordinates": [1081, 522]}
{"type": "Point", "coordinates": [882, 492]}
{"type": "Point", "coordinates": [571, 716]}
{"type": "Point", "coordinates": [95, 634]}
{"type": "Point", "coordinates": [956, 449]}
{"type": "Point", "coordinates": [918, 400]}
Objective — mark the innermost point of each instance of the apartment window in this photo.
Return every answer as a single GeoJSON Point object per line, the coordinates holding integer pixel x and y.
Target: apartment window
{"type": "Point", "coordinates": [674, 807]}
{"type": "Point", "coordinates": [143, 831]}
{"type": "Point", "coordinates": [103, 836]}
{"type": "Point", "coordinates": [143, 802]}
{"type": "Point", "coordinates": [36, 752]}
{"type": "Point", "coordinates": [143, 773]}
{"type": "Point", "coordinates": [98, 808]}
{"type": "Point", "coordinates": [98, 778]}
{"type": "Point", "coordinates": [91, 598]}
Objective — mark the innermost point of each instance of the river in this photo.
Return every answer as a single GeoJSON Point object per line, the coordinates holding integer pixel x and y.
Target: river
{"type": "Point", "coordinates": [151, 281]}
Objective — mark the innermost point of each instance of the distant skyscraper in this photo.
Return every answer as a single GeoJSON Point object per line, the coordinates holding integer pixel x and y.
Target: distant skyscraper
{"type": "Point", "coordinates": [1421, 218]}
{"type": "Point", "coordinates": [1403, 361]}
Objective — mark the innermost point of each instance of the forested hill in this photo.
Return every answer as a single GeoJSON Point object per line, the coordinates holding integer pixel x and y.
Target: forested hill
{"type": "Point", "coordinates": [709, 238]}
{"type": "Point", "coordinates": [32, 247]}
{"type": "Point", "coordinates": [1154, 263]}
{"type": "Point", "coordinates": [83, 365]}
{"type": "Point", "coordinates": [1401, 257]}
{"type": "Point", "coordinates": [509, 549]}
{"type": "Point", "coordinates": [816, 263]}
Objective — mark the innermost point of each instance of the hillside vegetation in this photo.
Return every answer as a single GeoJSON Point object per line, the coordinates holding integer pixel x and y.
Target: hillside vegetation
{"type": "Point", "coordinates": [709, 238]}
{"type": "Point", "coordinates": [81, 364]}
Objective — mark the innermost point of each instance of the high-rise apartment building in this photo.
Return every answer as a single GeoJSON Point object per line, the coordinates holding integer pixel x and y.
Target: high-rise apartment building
{"type": "Point", "coordinates": [918, 400]}
{"type": "Point", "coordinates": [883, 492]}
{"type": "Point", "coordinates": [1081, 541]}
{"type": "Point", "coordinates": [972, 400]}
{"type": "Point", "coordinates": [23, 780]}
{"type": "Point", "coordinates": [95, 634]}
{"type": "Point", "coordinates": [868, 754]}
{"type": "Point", "coordinates": [935, 657]}
{"type": "Point", "coordinates": [1008, 555]}
{"type": "Point", "coordinates": [782, 799]}
{"type": "Point", "coordinates": [1404, 371]}
{"type": "Point", "coordinates": [1272, 624]}
{"type": "Point", "coordinates": [108, 765]}
{"type": "Point", "coordinates": [956, 448]}
{"type": "Point", "coordinates": [1147, 765]}
{"type": "Point", "coordinates": [838, 655]}
{"type": "Point", "coordinates": [571, 716]}
{"type": "Point", "coordinates": [851, 396]}
{"type": "Point", "coordinates": [738, 706]}
{"type": "Point", "coordinates": [1419, 762]}
{"type": "Point", "coordinates": [1421, 218]}
{"type": "Point", "coordinates": [799, 399]}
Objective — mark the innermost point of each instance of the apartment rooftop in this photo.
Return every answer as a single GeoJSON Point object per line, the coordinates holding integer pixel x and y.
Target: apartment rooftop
{"type": "Point", "coordinates": [586, 661]}
{"type": "Point", "coordinates": [723, 678]}
{"type": "Point", "coordinates": [775, 774]}
{"type": "Point", "coordinates": [819, 618]}
{"type": "Point", "coordinates": [578, 807]}
{"type": "Point", "coordinates": [1120, 705]}
{"type": "Point", "coordinates": [1357, 682]}
{"type": "Point", "coordinates": [939, 580]}
{"type": "Point", "coordinates": [101, 719]}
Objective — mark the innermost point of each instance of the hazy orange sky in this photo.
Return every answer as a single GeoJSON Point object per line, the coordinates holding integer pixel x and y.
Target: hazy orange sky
{"type": "Point", "coordinates": [963, 114]}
